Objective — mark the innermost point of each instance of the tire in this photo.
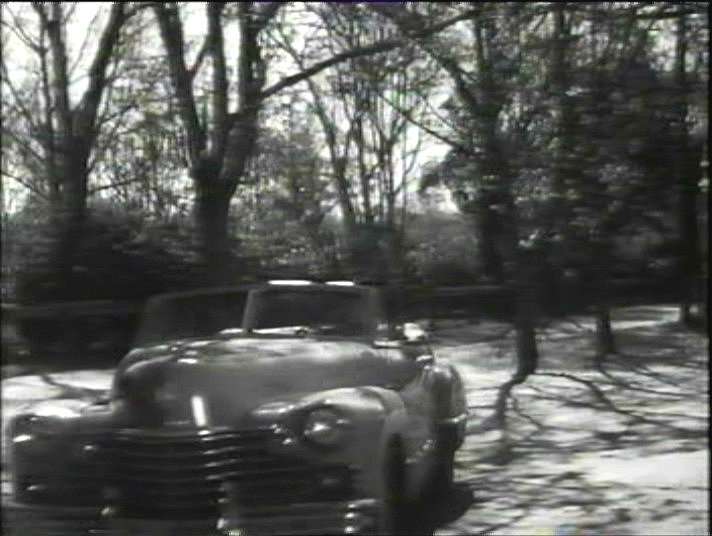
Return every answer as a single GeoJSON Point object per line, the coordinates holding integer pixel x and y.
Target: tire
{"type": "Point", "coordinates": [443, 475]}
{"type": "Point", "coordinates": [394, 505]}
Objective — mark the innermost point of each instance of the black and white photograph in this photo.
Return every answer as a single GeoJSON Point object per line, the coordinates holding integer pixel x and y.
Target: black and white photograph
{"type": "Point", "coordinates": [377, 268]}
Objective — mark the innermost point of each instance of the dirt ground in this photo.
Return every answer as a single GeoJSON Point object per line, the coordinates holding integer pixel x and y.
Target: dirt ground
{"type": "Point", "coordinates": [588, 453]}
{"type": "Point", "coordinates": [618, 452]}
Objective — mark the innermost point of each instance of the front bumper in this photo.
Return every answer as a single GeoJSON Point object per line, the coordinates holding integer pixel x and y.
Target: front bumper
{"type": "Point", "coordinates": [19, 519]}
{"type": "Point", "coordinates": [347, 517]}
{"type": "Point", "coordinates": [344, 517]}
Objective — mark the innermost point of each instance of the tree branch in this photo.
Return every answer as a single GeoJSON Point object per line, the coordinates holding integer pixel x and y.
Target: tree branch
{"type": "Point", "coordinates": [265, 14]}
{"type": "Point", "coordinates": [663, 12]}
{"type": "Point", "coordinates": [193, 70]}
{"type": "Point", "coordinates": [111, 136]}
{"type": "Point", "coordinates": [23, 144]}
{"type": "Point", "coordinates": [366, 50]}
{"type": "Point", "coordinates": [449, 141]}
{"type": "Point", "coordinates": [60, 84]}
{"type": "Point", "coordinates": [171, 30]}
{"type": "Point", "coordinates": [17, 101]}
{"type": "Point", "coordinates": [31, 187]}
{"type": "Point", "coordinates": [413, 25]}
{"type": "Point", "coordinates": [115, 185]}
{"type": "Point", "coordinates": [17, 28]}
{"type": "Point", "coordinates": [219, 81]}
{"type": "Point", "coordinates": [85, 42]}
{"type": "Point", "coordinates": [107, 117]}
{"type": "Point", "coordinates": [89, 104]}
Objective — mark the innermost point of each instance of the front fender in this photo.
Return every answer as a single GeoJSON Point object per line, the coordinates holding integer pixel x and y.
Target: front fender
{"type": "Point", "coordinates": [450, 405]}
{"type": "Point", "coordinates": [447, 389]}
{"type": "Point", "coordinates": [54, 452]}
{"type": "Point", "coordinates": [375, 415]}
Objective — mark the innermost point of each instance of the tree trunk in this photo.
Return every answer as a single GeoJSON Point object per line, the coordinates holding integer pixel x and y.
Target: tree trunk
{"type": "Point", "coordinates": [212, 207]}
{"type": "Point", "coordinates": [527, 363]}
{"type": "Point", "coordinates": [70, 132]}
{"type": "Point", "coordinates": [598, 277]}
{"type": "Point", "coordinates": [396, 253]}
{"type": "Point", "coordinates": [563, 168]}
{"type": "Point", "coordinates": [687, 171]}
{"type": "Point", "coordinates": [525, 319]}
{"type": "Point", "coordinates": [605, 341]}
{"type": "Point", "coordinates": [69, 215]}
{"type": "Point", "coordinates": [526, 310]}
{"type": "Point", "coordinates": [488, 237]}
{"type": "Point", "coordinates": [689, 244]}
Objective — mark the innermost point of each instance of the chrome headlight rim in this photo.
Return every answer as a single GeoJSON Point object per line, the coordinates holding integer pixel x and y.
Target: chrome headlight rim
{"type": "Point", "coordinates": [46, 419]}
{"type": "Point", "coordinates": [37, 426]}
{"type": "Point", "coordinates": [324, 426]}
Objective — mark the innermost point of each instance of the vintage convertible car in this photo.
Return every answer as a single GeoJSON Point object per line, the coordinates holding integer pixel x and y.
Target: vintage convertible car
{"type": "Point", "coordinates": [310, 413]}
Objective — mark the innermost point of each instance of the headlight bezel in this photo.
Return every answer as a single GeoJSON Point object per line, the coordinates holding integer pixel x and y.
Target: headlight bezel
{"type": "Point", "coordinates": [324, 426]}
{"type": "Point", "coordinates": [46, 419]}
{"type": "Point", "coordinates": [38, 426]}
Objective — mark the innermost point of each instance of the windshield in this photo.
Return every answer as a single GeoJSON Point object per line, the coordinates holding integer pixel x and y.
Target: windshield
{"type": "Point", "coordinates": [203, 314]}
{"type": "Point", "coordinates": [324, 312]}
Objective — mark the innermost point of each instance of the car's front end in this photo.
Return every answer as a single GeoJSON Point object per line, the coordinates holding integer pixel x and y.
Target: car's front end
{"type": "Point", "coordinates": [301, 464]}
{"type": "Point", "coordinates": [270, 428]}
{"type": "Point", "coordinates": [233, 481]}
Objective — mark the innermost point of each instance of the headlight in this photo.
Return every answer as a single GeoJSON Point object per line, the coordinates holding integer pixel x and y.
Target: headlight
{"type": "Point", "coordinates": [35, 425]}
{"type": "Point", "coordinates": [324, 426]}
{"type": "Point", "coordinates": [47, 418]}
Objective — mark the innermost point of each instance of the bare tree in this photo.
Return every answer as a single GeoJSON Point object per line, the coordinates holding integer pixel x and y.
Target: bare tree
{"type": "Point", "coordinates": [60, 134]}
{"type": "Point", "coordinates": [357, 106]}
{"type": "Point", "coordinates": [482, 98]}
{"type": "Point", "coordinates": [218, 149]}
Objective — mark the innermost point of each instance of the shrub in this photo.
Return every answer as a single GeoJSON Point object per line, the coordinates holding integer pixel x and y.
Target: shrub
{"type": "Point", "coordinates": [118, 258]}
{"type": "Point", "coordinates": [443, 250]}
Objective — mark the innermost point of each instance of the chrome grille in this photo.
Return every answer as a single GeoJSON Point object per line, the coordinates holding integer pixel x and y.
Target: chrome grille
{"type": "Point", "coordinates": [158, 475]}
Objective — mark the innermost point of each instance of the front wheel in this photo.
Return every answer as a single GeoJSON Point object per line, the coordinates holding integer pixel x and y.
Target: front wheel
{"type": "Point", "coordinates": [443, 475]}
{"type": "Point", "coordinates": [394, 504]}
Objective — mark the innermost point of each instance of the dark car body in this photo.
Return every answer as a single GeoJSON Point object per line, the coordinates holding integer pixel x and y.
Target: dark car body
{"type": "Point", "coordinates": [310, 413]}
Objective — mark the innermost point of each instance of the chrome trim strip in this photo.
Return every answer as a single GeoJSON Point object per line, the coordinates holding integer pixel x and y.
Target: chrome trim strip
{"type": "Point", "coordinates": [453, 421]}
{"type": "Point", "coordinates": [12, 506]}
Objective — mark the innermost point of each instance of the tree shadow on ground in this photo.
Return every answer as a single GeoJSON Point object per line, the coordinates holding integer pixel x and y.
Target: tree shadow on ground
{"type": "Point", "coordinates": [477, 331]}
{"type": "Point", "coordinates": [641, 312]}
{"type": "Point", "coordinates": [647, 400]}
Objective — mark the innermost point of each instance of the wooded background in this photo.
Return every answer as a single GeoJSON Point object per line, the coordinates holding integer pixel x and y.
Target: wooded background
{"type": "Point", "coordinates": [165, 146]}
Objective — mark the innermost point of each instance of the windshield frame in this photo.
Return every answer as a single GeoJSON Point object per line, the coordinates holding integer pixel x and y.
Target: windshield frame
{"type": "Point", "coordinates": [146, 332]}
{"type": "Point", "coordinates": [368, 297]}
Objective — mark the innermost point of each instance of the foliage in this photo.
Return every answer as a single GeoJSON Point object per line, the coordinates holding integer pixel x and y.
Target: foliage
{"type": "Point", "coordinates": [119, 258]}
{"type": "Point", "coordinates": [443, 250]}
{"type": "Point", "coordinates": [575, 133]}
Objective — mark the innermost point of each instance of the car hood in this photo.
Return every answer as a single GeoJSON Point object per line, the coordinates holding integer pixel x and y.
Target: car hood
{"type": "Point", "coordinates": [219, 383]}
